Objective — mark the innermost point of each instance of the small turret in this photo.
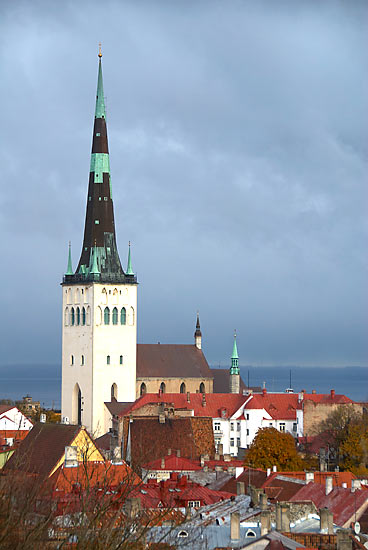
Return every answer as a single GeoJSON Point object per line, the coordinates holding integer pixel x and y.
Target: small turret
{"type": "Point", "coordinates": [129, 270]}
{"type": "Point", "coordinates": [198, 334]}
{"type": "Point", "coordinates": [234, 369]}
{"type": "Point", "coordinates": [69, 270]}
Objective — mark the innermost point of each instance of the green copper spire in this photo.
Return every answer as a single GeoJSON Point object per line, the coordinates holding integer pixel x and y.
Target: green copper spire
{"type": "Point", "coordinates": [129, 270]}
{"type": "Point", "coordinates": [94, 269]}
{"type": "Point", "coordinates": [100, 100]}
{"type": "Point", "coordinates": [69, 270]}
{"type": "Point", "coordinates": [234, 358]}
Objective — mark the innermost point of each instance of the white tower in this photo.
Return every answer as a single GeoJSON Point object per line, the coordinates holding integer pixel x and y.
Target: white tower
{"type": "Point", "coordinates": [99, 339]}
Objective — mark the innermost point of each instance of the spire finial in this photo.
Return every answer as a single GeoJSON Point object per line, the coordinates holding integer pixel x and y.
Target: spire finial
{"type": "Point", "coordinates": [99, 50]}
{"type": "Point", "coordinates": [129, 266]}
{"type": "Point", "coordinates": [69, 270]}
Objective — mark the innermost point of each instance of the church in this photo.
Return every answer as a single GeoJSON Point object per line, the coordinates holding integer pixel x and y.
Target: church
{"type": "Point", "coordinates": [101, 361]}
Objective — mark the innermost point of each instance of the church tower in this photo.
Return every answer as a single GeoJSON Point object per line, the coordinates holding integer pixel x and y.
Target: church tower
{"type": "Point", "coordinates": [234, 369]}
{"type": "Point", "coordinates": [99, 336]}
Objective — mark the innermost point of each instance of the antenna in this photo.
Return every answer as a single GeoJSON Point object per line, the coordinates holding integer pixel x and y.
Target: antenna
{"type": "Point", "coordinates": [290, 386]}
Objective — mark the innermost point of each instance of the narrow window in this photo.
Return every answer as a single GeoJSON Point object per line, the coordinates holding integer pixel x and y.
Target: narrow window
{"type": "Point", "coordinates": [115, 316]}
{"type": "Point", "coordinates": [108, 360]}
{"type": "Point", "coordinates": [72, 321]}
{"type": "Point", "coordinates": [106, 316]}
{"type": "Point", "coordinates": [201, 388]}
{"type": "Point", "coordinates": [121, 360]}
{"type": "Point", "coordinates": [114, 392]}
{"type": "Point", "coordinates": [66, 317]}
{"type": "Point", "coordinates": [143, 389]}
{"type": "Point", "coordinates": [123, 316]}
{"type": "Point", "coordinates": [162, 387]}
{"type": "Point", "coordinates": [182, 388]}
{"type": "Point", "coordinates": [82, 360]}
{"type": "Point", "coordinates": [72, 359]}
{"type": "Point", "coordinates": [84, 316]}
{"type": "Point", "coordinates": [78, 316]}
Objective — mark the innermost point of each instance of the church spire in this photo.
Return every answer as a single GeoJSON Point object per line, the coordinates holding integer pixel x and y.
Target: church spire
{"type": "Point", "coordinates": [99, 243]}
{"type": "Point", "coordinates": [234, 369]}
{"type": "Point", "coordinates": [69, 270]}
{"type": "Point", "coordinates": [198, 334]}
{"type": "Point", "coordinates": [129, 270]}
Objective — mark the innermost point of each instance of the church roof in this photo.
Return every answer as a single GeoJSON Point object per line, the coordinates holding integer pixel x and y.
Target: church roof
{"type": "Point", "coordinates": [171, 361]}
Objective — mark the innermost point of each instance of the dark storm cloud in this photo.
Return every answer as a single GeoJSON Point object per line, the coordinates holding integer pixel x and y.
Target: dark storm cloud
{"type": "Point", "coordinates": [237, 138]}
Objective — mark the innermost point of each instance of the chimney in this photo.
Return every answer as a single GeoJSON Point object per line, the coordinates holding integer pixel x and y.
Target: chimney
{"type": "Point", "coordinates": [355, 484]}
{"type": "Point", "coordinates": [161, 418]}
{"type": "Point", "coordinates": [240, 488]}
{"type": "Point", "coordinates": [188, 397]}
{"type": "Point", "coordinates": [332, 394]}
{"type": "Point", "coordinates": [203, 399]}
{"type": "Point", "coordinates": [169, 452]}
{"type": "Point", "coordinates": [235, 526]}
{"type": "Point", "coordinates": [326, 521]}
{"type": "Point", "coordinates": [202, 461]}
{"type": "Point", "coordinates": [178, 453]}
{"type": "Point", "coordinates": [132, 507]}
{"type": "Point", "coordinates": [162, 463]}
{"type": "Point", "coordinates": [285, 517]}
{"type": "Point", "coordinates": [263, 501]}
{"type": "Point", "coordinates": [268, 472]}
{"type": "Point", "coordinates": [264, 391]}
{"type": "Point", "coordinates": [329, 485]}
{"type": "Point", "coordinates": [221, 448]}
{"type": "Point", "coordinates": [217, 456]}
{"type": "Point", "coordinates": [344, 485]}
{"type": "Point", "coordinates": [314, 392]}
{"type": "Point", "coordinates": [300, 397]}
{"type": "Point", "coordinates": [309, 476]}
{"type": "Point", "coordinates": [274, 469]}
{"type": "Point", "coordinates": [278, 516]}
{"type": "Point", "coordinates": [344, 541]}
{"type": "Point", "coordinates": [205, 468]}
{"type": "Point", "coordinates": [265, 522]}
{"type": "Point", "coordinates": [227, 458]}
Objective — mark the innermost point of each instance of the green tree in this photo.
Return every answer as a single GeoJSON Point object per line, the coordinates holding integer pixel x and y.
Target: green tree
{"type": "Point", "coordinates": [273, 448]}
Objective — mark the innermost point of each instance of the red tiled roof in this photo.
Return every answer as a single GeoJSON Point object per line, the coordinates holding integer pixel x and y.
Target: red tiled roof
{"type": "Point", "coordinates": [328, 398]}
{"type": "Point", "coordinates": [171, 361]}
{"type": "Point", "coordinates": [176, 492]}
{"type": "Point", "coordinates": [338, 478]}
{"type": "Point", "coordinates": [214, 402]}
{"type": "Point", "coordinates": [15, 434]}
{"type": "Point", "coordinates": [280, 406]}
{"type": "Point", "coordinates": [173, 463]}
{"type": "Point", "coordinates": [341, 502]}
{"type": "Point", "coordinates": [279, 489]}
{"type": "Point", "coordinates": [250, 476]}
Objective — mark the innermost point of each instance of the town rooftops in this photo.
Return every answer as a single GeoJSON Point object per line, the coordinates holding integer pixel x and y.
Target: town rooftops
{"type": "Point", "coordinates": [171, 361]}
{"type": "Point", "coordinates": [214, 405]}
{"type": "Point", "coordinates": [329, 398]}
{"type": "Point", "coordinates": [280, 406]}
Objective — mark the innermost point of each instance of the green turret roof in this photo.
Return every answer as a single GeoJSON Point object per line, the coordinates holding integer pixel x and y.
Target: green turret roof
{"type": "Point", "coordinates": [94, 269]}
{"type": "Point", "coordinates": [129, 270]}
{"type": "Point", "coordinates": [100, 100]}
{"type": "Point", "coordinates": [69, 270]}
{"type": "Point", "coordinates": [235, 349]}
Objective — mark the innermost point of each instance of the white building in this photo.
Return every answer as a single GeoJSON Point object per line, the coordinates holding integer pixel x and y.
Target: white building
{"type": "Point", "coordinates": [99, 338]}
{"type": "Point", "coordinates": [13, 424]}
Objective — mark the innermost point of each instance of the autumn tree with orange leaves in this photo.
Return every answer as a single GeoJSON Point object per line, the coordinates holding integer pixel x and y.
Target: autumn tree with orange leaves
{"type": "Point", "coordinates": [273, 448]}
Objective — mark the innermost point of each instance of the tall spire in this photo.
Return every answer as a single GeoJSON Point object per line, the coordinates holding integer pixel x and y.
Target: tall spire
{"type": "Point", "coordinates": [198, 334]}
{"type": "Point", "coordinates": [99, 242]}
{"type": "Point", "coordinates": [129, 270]}
{"type": "Point", "coordinates": [69, 270]}
{"type": "Point", "coordinates": [234, 358]}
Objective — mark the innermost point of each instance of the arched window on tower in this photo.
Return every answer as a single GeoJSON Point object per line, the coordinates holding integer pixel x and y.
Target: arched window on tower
{"type": "Point", "coordinates": [162, 387]}
{"type": "Point", "coordinates": [123, 316]}
{"type": "Point", "coordinates": [66, 317]}
{"type": "Point", "coordinates": [106, 316]}
{"type": "Point", "coordinates": [143, 389]}
{"type": "Point", "coordinates": [82, 360]}
{"type": "Point", "coordinates": [72, 316]}
{"type": "Point", "coordinates": [121, 360]}
{"type": "Point", "coordinates": [114, 392]}
{"type": "Point", "coordinates": [115, 316]}
{"type": "Point", "coordinates": [83, 316]}
{"type": "Point", "coordinates": [202, 388]}
{"type": "Point", "coordinates": [108, 360]}
{"type": "Point", "coordinates": [78, 316]}
{"type": "Point", "coordinates": [183, 388]}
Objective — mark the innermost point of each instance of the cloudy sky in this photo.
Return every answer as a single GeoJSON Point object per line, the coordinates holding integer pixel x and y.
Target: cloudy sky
{"type": "Point", "coordinates": [238, 134]}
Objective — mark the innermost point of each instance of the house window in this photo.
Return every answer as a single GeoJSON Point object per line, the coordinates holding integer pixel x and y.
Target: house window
{"type": "Point", "coordinates": [238, 441]}
{"type": "Point", "coordinates": [162, 387]}
{"type": "Point", "coordinates": [123, 316]}
{"type": "Point", "coordinates": [108, 360]}
{"type": "Point", "coordinates": [143, 389]}
{"type": "Point", "coordinates": [121, 360]}
{"type": "Point", "coordinates": [247, 416]}
{"type": "Point", "coordinates": [182, 534]}
{"type": "Point", "coordinates": [194, 503]}
{"type": "Point", "coordinates": [82, 360]}
{"type": "Point", "coordinates": [106, 316]}
{"type": "Point", "coordinates": [72, 359]}
{"type": "Point", "coordinates": [201, 388]}
{"type": "Point", "coordinates": [182, 388]}
{"type": "Point", "coordinates": [282, 426]}
{"type": "Point", "coordinates": [232, 442]}
{"type": "Point", "coordinates": [247, 431]}
{"type": "Point", "coordinates": [232, 426]}
{"type": "Point", "coordinates": [217, 427]}
{"type": "Point", "coordinates": [295, 427]}
{"type": "Point", "coordinates": [238, 426]}
{"type": "Point", "coordinates": [115, 316]}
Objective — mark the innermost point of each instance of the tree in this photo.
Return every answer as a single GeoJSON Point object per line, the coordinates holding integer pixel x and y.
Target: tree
{"type": "Point", "coordinates": [273, 448]}
{"type": "Point", "coordinates": [354, 449]}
